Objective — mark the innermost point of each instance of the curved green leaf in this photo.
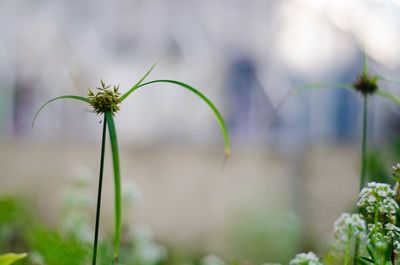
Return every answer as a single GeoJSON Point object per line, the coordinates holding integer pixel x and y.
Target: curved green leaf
{"type": "Point", "coordinates": [217, 114]}
{"type": "Point", "coordinates": [388, 80]}
{"type": "Point", "coordinates": [10, 258]}
{"type": "Point", "coordinates": [388, 95]}
{"type": "Point", "coordinates": [57, 98]}
{"type": "Point", "coordinates": [124, 96]}
{"type": "Point", "coordinates": [117, 181]}
{"type": "Point", "coordinates": [304, 88]}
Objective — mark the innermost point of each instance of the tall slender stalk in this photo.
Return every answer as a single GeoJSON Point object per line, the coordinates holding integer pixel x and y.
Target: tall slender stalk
{"type": "Point", "coordinates": [364, 142]}
{"type": "Point", "coordinates": [348, 246]}
{"type": "Point", "coordinates": [363, 173]}
{"type": "Point", "coordinates": [96, 231]}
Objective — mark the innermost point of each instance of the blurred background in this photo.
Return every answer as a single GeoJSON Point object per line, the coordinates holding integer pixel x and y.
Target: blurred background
{"type": "Point", "coordinates": [294, 166]}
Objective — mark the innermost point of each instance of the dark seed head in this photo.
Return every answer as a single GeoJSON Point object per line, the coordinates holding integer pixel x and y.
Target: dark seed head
{"type": "Point", "coordinates": [104, 98]}
{"type": "Point", "coordinates": [366, 84]}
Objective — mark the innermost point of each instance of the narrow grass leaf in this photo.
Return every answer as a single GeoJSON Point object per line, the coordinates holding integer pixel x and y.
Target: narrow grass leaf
{"type": "Point", "coordinates": [301, 89]}
{"type": "Point", "coordinates": [364, 261]}
{"type": "Point", "coordinates": [372, 253]}
{"type": "Point", "coordinates": [365, 63]}
{"type": "Point", "coordinates": [10, 258]}
{"type": "Point", "coordinates": [217, 114]}
{"type": "Point", "coordinates": [124, 96]}
{"type": "Point", "coordinates": [389, 80]}
{"type": "Point", "coordinates": [117, 181]}
{"type": "Point", "coordinates": [388, 95]}
{"type": "Point", "coordinates": [57, 98]}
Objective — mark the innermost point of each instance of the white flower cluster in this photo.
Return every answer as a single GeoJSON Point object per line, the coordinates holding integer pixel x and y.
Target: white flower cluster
{"type": "Point", "coordinates": [379, 208]}
{"type": "Point", "coordinates": [349, 226]}
{"type": "Point", "coordinates": [396, 169]}
{"type": "Point", "coordinates": [305, 259]}
{"type": "Point", "coordinates": [377, 198]}
{"type": "Point", "coordinates": [386, 233]}
{"type": "Point", "coordinates": [212, 260]}
{"type": "Point", "coordinates": [392, 230]}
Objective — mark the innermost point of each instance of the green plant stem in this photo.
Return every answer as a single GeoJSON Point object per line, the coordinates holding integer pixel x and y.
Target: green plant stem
{"type": "Point", "coordinates": [392, 253]}
{"type": "Point", "coordinates": [117, 182]}
{"type": "Point", "coordinates": [363, 163]}
{"type": "Point", "coordinates": [356, 250]}
{"type": "Point", "coordinates": [347, 250]}
{"type": "Point", "coordinates": [364, 142]}
{"type": "Point", "coordinates": [96, 231]}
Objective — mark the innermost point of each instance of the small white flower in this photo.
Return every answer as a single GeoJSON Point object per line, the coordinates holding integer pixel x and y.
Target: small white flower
{"type": "Point", "coordinates": [377, 197]}
{"type": "Point", "coordinates": [349, 225]}
{"type": "Point", "coordinates": [212, 260]}
{"type": "Point", "coordinates": [305, 259]}
{"type": "Point", "coordinates": [382, 193]}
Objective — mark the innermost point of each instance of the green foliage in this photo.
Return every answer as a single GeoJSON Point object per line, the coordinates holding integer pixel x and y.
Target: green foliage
{"type": "Point", "coordinates": [377, 169]}
{"type": "Point", "coordinates": [15, 218]}
{"type": "Point", "coordinates": [259, 236]}
{"type": "Point", "coordinates": [10, 258]}
{"type": "Point", "coordinates": [197, 92]}
{"type": "Point", "coordinates": [117, 180]}
{"type": "Point", "coordinates": [57, 249]}
{"type": "Point", "coordinates": [79, 98]}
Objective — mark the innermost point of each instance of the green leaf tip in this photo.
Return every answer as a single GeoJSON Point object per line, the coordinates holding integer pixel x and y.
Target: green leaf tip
{"type": "Point", "coordinates": [57, 98]}
{"type": "Point", "coordinates": [214, 109]}
{"type": "Point", "coordinates": [10, 258]}
{"type": "Point", "coordinates": [227, 152]}
{"type": "Point", "coordinates": [365, 61]}
{"type": "Point", "coordinates": [124, 96]}
{"type": "Point", "coordinates": [105, 99]}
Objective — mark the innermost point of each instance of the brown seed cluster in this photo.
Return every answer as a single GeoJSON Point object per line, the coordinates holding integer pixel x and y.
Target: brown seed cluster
{"type": "Point", "coordinates": [105, 98]}
{"type": "Point", "coordinates": [366, 84]}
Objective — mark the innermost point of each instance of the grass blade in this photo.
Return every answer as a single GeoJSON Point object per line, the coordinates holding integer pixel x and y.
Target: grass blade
{"type": "Point", "coordinates": [10, 258]}
{"type": "Point", "coordinates": [389, 81]}
{"type": "Point", "coordinates": [365, 63]}
{"type": "Point", "coordinates": [300, 89]}
{"type": "Point", "coordinates": [117, 181]}
{"type": "Point", "coordinates": [57, 98]}
{"type": "Point", "coordinates": [217, 114]}
{"type": "Point", "coordinates": [388, 95]}
{"type": "Point", "coordinates": [124, 96]}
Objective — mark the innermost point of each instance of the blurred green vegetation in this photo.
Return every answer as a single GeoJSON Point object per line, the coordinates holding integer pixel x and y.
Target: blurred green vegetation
{"type": "Point", "coordinates": [254, 235]}
{"type": "Point", "coordinates": [22, 230]}
{"type": "Point", "coordinates": [380, 162]}
{"type": "Point", "coordinates": [260, 235]}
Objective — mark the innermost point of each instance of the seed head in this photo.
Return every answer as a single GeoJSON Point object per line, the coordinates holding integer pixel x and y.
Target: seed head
{"type": "Point", "coordinates": [105, 98]}
{"type": "Point", "coordinates": [366, 84]}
